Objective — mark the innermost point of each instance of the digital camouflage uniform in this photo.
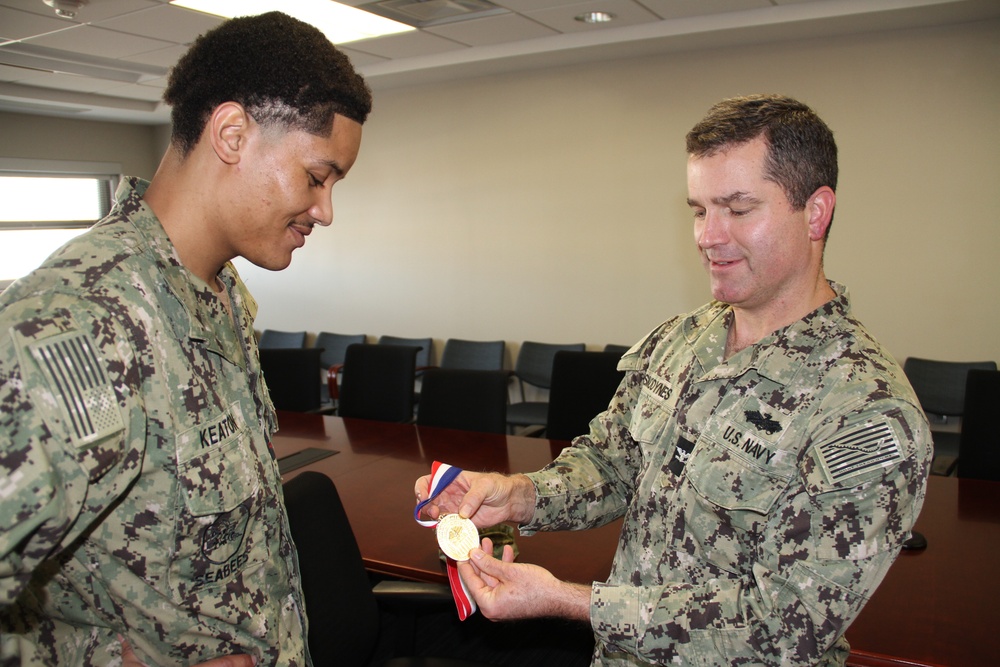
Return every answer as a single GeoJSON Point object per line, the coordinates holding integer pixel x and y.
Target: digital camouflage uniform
{"type": "Point", "coordinates": [764, 497]}
{"type": "Point", "coordinates": [137, 492]}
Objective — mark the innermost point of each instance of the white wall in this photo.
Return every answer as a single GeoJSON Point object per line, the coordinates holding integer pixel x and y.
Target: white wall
{"type": "Point", "coordinates": [549, 205]}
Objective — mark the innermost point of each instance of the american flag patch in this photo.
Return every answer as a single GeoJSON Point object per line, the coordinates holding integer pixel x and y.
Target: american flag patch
{"type": "Point", "coordinates": [860, 449]}
{"type": "Point", "coordinates": [80, 385]}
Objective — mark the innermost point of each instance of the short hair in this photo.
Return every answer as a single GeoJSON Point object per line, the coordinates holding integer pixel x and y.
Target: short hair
{"type": "Point", "coordinates": [283, 71]}
{"type": "Point", "coordinates": [801, 155]}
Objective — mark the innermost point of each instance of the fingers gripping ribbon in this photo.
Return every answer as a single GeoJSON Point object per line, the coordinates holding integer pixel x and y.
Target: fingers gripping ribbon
{"type": "Point", "coordinates": [453, 535]}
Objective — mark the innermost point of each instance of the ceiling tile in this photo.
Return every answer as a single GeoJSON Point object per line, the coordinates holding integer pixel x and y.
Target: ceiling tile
{"type": "Point", "coordinates": [164, 22]}
{"type": "Point", "coordinates": [96, 10]}
{"type": "Point", "coordinates": [675, 9]}
{"type": "Point", "coordinates": [492, 30]}
{"type": "Point", "coordinates": [406, 45]}
{"type": "Point", "coordinates": [15, 24]}
{"type": "Point", "coordinates": [99, 42]}
{"type": "Point", "coordinates": [563, 18]}
{"type": "Point", "coordinates": [360, 58]}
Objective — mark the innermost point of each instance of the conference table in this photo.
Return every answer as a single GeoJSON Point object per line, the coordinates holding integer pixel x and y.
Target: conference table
{"type": "Point", "coordinates": [937, 607]}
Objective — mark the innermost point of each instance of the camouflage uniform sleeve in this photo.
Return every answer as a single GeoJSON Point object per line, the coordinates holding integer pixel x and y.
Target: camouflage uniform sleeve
{"type": "Point", "coordinates": [65, 378]}
{"type": "Point", "coordinates": [592, 481]}
{"type": "Point", "coordinates": [823, 548]}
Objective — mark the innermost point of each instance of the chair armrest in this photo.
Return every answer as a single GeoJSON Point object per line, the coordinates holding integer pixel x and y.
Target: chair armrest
{"type": "Point", "coordinates": [331, 381]}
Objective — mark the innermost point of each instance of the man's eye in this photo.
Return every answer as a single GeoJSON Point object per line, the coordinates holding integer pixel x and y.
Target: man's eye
{"type": "Point", "coordinates": [698, 215]}
{"type": "Point", "coordinates": [316, 183]}
{"type": "Point", "coordinates": [737, 213]}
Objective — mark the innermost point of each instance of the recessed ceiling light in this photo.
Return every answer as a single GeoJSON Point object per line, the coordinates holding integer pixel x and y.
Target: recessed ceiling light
{"type": "Point", "coordinates": [340, 23]}
{"type": "Point", "coordinates": [596, 17]}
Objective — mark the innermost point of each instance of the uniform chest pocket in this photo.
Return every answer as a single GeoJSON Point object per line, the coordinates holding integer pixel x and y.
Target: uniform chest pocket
{"type": "Point", "coordinates": [649, 417]}
{"type": "Point", "coordinates": [223, 534]}
{"type": "Point", "coordinates": [731, 482]}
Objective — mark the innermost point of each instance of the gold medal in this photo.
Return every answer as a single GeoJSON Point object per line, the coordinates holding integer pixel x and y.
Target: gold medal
{"type": "Point", "coordinates": [457, 536]}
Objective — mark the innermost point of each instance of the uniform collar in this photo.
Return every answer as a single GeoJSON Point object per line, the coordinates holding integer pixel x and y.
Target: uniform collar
{"type": "Point", "coordinates": [207, 320]}
{"type": "Point", "coordinates": [778, 356]}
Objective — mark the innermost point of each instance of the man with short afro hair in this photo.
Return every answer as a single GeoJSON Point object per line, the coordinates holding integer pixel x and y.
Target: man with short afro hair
{"type": "Point", "coordinates": [141, 512]}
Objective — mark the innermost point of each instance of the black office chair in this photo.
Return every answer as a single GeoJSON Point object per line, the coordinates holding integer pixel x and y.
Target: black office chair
{"type": "Point", "coordinates": [334, 346]}
{"type": "Point", "coordinates": [470, 400]}
{"type": "Point", "coordinates": [583, 384]}
{"type": "Point", "coordinates": [940, 387]}
{"type": "Point", "coordinates": [979, 445]}
{"type": "Point", "coordinates": [534, 367]}
{"type": "Point", "coordinates": [290, 375]}
{"type": "Point", "coordinates": [377, 382]}
{"type": "Point", "coordinates": [347, 625]}
{"type": "Point", "coordinates": [483, 355]}
{"type": "Point", "coordinates": [620, 350]}
{"type": "Point", "coordinates": [272, 338]}
{"type": "Point", "coordinates": [425, 347]}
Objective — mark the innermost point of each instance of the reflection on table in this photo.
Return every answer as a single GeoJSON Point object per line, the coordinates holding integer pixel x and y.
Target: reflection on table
{"type": "Point", "coordinates": [938, 606]}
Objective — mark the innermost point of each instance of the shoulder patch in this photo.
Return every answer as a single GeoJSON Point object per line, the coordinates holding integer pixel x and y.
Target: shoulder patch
{"type": "Point", "coordinates": [80, 385]}
{"type": "Point", "coordinates": [860, 449]}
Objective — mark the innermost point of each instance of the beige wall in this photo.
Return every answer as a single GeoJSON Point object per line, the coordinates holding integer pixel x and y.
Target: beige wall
{"type": "Point", "coordinates": [45, 137]}
{"type": "Point", "coordinates": [549, 205]}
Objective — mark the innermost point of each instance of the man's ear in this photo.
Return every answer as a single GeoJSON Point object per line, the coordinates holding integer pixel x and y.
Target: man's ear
{"type": "Point", "coordinates": [227, 129]}
{"type": "Point", "coordinates": [820, 208]}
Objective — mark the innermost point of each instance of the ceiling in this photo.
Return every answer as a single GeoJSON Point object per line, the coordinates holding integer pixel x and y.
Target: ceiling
{"type": "Point", "coordinates": [110, 61]}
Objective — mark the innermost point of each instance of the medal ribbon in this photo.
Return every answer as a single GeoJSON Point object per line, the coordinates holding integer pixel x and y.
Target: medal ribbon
{"type": "Point", "coordinates": [442, 475]}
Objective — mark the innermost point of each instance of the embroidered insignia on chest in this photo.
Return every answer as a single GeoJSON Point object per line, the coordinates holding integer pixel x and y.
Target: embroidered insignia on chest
{"type": "Point", "coordinates": [80, 384]}
{"type": "Point", "coordinates": [763, 422]}
{"type": "Point", "coordinates": [860, 449]}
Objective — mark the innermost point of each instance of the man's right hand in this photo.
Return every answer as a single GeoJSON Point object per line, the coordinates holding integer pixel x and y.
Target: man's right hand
{"type": "Point", "coordinates": [486, 498]}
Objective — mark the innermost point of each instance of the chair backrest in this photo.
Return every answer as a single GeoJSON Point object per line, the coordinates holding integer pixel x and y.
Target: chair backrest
{"type": "Point", "coordinates": [334, 346]}
{"type": "Point", "coordinates": [534, 361]}
{"type": "Point", "coordinates": [470, 400]}
{"type": "Point", "coordinates": [290, 375]}
{"type": "Point", "coordinates": [583, 384]}
{"type": "Point", "coordinates": [483, 355]}
{"type": "Point", "coordinates": [425, 345]}
{"type": "Point", "coordinates": [620, 350]}
{"type": "Point", "coordinates": [979, 446]}
{"type": "Point", "coordinates": [940, 385]}
{"type": "Point", "coordinates": [272, 338]}
{"type": "Point", "coordinates": [342, 610]}
{"type": "Point", "coordinates": [378, 382]}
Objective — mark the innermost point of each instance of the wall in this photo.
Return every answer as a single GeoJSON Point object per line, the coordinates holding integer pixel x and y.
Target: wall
{"type": "Point", "coordinates": [44, 137]}
{"type": "Point", "coordinates": [550, 205]}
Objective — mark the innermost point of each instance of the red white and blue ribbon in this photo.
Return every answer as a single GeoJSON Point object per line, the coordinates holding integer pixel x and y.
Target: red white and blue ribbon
{"type": "Point", "coordinates": [442, 475]}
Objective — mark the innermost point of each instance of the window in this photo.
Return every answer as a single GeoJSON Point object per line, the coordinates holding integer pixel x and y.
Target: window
{"type": "Point", "coordinates": [45, 203]}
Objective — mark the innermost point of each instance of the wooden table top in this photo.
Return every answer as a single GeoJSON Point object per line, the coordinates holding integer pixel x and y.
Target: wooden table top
{"type": "Point", "coordinates": [936, 607]}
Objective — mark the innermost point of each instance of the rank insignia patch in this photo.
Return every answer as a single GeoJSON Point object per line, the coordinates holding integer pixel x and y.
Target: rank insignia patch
{"type": "Point", "coordinates": [860, 449]}
{"type": "Point", "coordinates": [80, 384]}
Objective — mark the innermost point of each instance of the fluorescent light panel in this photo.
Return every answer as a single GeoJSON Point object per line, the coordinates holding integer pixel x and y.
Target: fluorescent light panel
{"type": "Point", "coordinates": [340, 23]}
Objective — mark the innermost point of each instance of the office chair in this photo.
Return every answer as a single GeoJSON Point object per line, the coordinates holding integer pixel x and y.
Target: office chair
{"type": "Point", "coordinates": [470, 400]}
{"type": "Point", "coordinates": [940, 387]}
{"type": "Point", "coordinates": [534, 367]}
{"type": "Point", "coordinates": [377, 382]}
{"type": "Point", "coordinates": [425, 347]}
{"type": "Point", "coordinates": [346, 625]}
{"type": "Point", "coordinates": [620, 350]}
{"type": "Point", "coordinates": [979, 443]}
{"type": "Point", "coordinates": [473, 354]}
{"type": "Point", "coordinates": [272, 338]}
{"type": "Point", "coordinates": [290, 376]}
{"type": "Point", "coordinates": [583, 384]}
{"type": "Point", "coordinates": [334, 346]}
